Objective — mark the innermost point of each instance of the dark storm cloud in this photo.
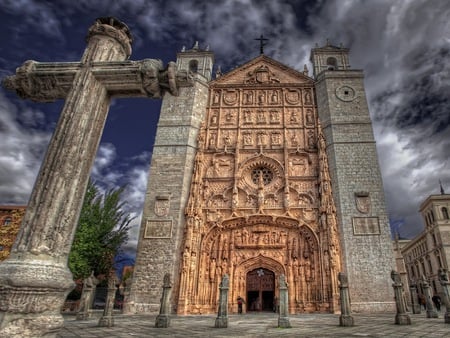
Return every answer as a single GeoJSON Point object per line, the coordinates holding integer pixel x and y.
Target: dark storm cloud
{"type": "Point", "coordinates": [403, 47]}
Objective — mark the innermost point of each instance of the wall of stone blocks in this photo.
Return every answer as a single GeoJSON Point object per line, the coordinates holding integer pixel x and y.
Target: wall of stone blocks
{"type": "Point", "coordinates": [169, 177]}
{"type": "Point", "coordinates": [368, 257]}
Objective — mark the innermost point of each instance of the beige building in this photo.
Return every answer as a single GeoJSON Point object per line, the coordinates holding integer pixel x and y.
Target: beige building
{"type": "Point", "coordinates": [429, 251]}
{"type": "Point", "coordinates": [261, 172]}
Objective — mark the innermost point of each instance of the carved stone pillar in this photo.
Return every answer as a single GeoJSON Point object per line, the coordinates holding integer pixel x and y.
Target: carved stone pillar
{"type": "Point", "coordinates": [401, 317]}
{"type": "Point", "coordinates": [37, 272]}
{"type": "Point", "coordinates": [345, 319]}
{"type": "Point", "coordinates": [163, 319]}
{"type": "Point", "coordinates": [443, 279]}
{"type": "Point", "coordinates": [414, 300]}
{"type": "Point", "coordinates": [107, 320]}
{"type": "Point", "coordinates": [222, 316]}
{"type": "Point", "coordinates": [431, 312]}
{"type": "Point", "coordinates": [283, 316]}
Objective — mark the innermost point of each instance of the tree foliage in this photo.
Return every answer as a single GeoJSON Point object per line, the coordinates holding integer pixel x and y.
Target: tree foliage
{"type": "Point", "coordinates": [102, 229]}
{"type": "Point", "coordinates": [9, 232]}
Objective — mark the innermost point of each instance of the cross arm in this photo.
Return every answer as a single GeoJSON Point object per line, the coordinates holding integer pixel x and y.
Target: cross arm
{"type": "Point", "coordinates": [46, 82]}
{"type": "Point", "coordinates": [42, 82]}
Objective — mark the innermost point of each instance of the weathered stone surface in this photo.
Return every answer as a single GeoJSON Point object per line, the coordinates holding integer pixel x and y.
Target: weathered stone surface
{"type": "Point", "coordinates": [345, 319]}
{"type": "Point", "coordinates": [163, 319]}
{"type": "Point", "coordinates": [222, 314]}
{"type": "Point", "coordinates": [35, 279]}
{"type": "Point", "coordinates": [401, 317]}
{"type": "Point", "coordinates": [283, 315]}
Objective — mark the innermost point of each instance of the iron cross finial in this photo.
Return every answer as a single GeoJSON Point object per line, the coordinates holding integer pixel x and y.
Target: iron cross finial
{"type": "Point", "coordinates": [262, 43]}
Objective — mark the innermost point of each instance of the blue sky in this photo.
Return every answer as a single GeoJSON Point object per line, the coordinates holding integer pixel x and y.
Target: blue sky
{"type": "Point", "coordinates": [403, 47]}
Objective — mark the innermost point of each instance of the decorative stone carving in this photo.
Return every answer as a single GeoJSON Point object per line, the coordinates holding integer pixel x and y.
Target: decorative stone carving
{"type": "Point", "coordinates": [401, 317]}
{"type": "Point", "coordinates": [35, 279]}
{"type": "Point", "coordinates": [362, 201]}
{"type": "Point", "coordinates": [261, 206]}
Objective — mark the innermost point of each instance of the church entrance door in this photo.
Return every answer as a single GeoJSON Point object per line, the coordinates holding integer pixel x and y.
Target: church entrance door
{"type": "Point", "coordinates": [260, 290]}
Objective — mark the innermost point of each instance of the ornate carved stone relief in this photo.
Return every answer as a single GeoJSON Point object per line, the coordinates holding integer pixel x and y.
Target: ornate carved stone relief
{"type": "Point", "coordinates": [258, 204]}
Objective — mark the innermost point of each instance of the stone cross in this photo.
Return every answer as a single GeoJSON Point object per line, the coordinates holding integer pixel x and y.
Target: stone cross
{"type": "Point", "coordinates": [107, 319]}
{"type": "Point", "coordinates": [431, 312]}
{"type": "Point", "coordinates": [222, 315]}
{"type": "Point", "coordinates": [87, 297]}
{"type": "Point", "coordinates": [345, 319]}
{"type": "Point", "coordinates": [443, 279]}
{"type": "Point", "coordinates": [35, 279]}
{"type": "Point", "coordinates": [401, 317]}
{"type": "Point", "coordinates": [416, 307]}
{"type": "Point", "coordinates": [283, 315]}
{"type": "Point", "coordinates": [163, 319]}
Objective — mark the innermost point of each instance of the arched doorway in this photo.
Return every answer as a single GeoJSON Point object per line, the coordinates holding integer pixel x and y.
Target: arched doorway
{"type": "Point", "coordinates": [260, 290]}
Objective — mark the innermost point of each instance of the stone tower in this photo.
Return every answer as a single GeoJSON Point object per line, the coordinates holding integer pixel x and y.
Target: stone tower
{"type": "Point", "coordinates": [255, 175]}
{"type": "Point", "coordinates": [367, 254]}
{"type": "Point", "coordinates": [163, 220]}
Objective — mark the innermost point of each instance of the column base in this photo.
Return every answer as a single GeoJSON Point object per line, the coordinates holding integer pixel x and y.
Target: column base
{"type": "Point", "coordinates": [33, 289]}
{"type": "Point", "coordinates": [106, 321]}
{"type": "Point", "coordinates": [221, 322]}
{"type": "Point", "coordinates": [402, 319]}
{"type": "Point", "coordinates": [162, 321]}
{"type": "Point", "coordinates": [284, 323]}
{"type": "Point", "coordinates": [346, 320]}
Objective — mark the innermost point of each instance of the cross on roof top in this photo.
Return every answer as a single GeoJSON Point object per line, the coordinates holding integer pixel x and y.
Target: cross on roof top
{"type": "Point", "coordinates": [262, 43]}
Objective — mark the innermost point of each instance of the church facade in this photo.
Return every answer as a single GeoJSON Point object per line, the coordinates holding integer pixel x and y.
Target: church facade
{"type": "Point", "coordinates": [261, 172]}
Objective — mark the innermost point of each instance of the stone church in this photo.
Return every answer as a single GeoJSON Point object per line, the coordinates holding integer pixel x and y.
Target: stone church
{"type": "Point", "coordinates": [261, 172]}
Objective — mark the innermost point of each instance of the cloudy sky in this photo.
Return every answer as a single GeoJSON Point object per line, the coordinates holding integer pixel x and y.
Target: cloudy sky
{"type": "Point", "coordinates": [403, 47]}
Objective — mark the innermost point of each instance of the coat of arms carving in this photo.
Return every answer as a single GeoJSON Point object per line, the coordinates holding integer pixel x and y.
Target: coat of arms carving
{"type": "Point", "coordinates": [362, 201]}
{"type": "Point", "coordinates": [162, 205]}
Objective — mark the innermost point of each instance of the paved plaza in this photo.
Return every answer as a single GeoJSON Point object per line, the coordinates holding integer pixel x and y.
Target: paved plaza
{"type": "Point", "coordinates": [259, 325]}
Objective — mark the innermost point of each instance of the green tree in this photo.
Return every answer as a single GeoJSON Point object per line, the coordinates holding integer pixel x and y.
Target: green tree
{"type": "Point", "coordinates": [102, 229]}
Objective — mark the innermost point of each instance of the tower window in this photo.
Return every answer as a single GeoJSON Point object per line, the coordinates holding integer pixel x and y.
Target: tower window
{"type": "Point", "coordinates": [193, 66]}
{"type": "Point", "coordinates": [331, 63]}
{"type": "Point", "coordinates": [7, 221]}
{"type": "Point", "coordinates": [445, 212]}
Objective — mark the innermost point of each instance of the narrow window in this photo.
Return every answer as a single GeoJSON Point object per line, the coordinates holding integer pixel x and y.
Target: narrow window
{"type": "Point", "coordinates": [7, 221]}
{"type": "Point", "coordinates": [445, 212]}
{"type": "Point", "coordinates": [193, 66]}
{"type": "Point", "coordinates": [331, 63]}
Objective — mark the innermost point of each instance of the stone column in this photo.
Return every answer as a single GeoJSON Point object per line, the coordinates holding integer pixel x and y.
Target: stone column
{"type": "Point", "coordinates": [222, 316]}
{"type": "Point", "coordinates": [416, 307]}
{"type": "Point", "coordinates": [443, 279]}
{"type": "Point", "coordinates": [283, 316]}
{"type": "Point", "coordinates": [163, 319]}
{"type": "Point", "coordinates": [87, 297]}
{"type": "Point", "coordinates": [345, 319]}
{"type": "Point", "coordinates": [107, 320]}
{"type": "Point", "coordinates": [35, 279]}
{"type": "Point", "coordinates": [401, 317]}
{"type": "Point", "coordinates": [431, 312]}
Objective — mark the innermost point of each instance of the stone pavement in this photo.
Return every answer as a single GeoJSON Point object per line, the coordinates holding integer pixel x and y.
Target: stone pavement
{"type": "Point", "coordinates": [259, 325]}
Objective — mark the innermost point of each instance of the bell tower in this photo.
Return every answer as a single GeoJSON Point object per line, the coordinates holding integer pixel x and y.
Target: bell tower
{"type": "Point", "coordinates": [171, 168]}
{"type": "Point", "coordinates": [356, 179]}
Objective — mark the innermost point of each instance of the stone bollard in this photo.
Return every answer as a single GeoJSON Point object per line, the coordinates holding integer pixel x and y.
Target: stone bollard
{"type": "Point", "coordinates": [401, 318]}
{"type": "Point", "coordinates": [443, 279]}
{"type": "Point", "coordinates": [163, 319]}
{"type": "Point", "coordinates": [345, 319]}
{"type": "Point", "coordinates": [431, 312]}
{"type": "Point", "coordinates": [222, 316]}
{"type": "Point", "coordinates": [283, 318]}
{"type": "Point", "coordinates": [87, 297]}
{"type": "Point", "coordinates": [416, 307]}
{"type": "Point", "coordinates": [107, 319]}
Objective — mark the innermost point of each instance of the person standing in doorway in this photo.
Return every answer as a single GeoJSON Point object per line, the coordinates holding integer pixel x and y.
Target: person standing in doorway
{"type": "Point", "coordinates": [240, 302]}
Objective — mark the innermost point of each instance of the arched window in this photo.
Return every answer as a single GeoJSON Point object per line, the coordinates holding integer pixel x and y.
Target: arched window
{"type": "Point", "coordinates": [7, 221]}
{"type": "Point", "coordinates": [445, 212]}
{"type": "Point", "coordinates": [193, 66]}
{"type": "Point", "coordinates": [331, 63]}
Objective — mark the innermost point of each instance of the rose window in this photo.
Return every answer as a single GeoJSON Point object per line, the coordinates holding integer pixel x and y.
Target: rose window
{"type": "Point", "coordinates": [265, 173]}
